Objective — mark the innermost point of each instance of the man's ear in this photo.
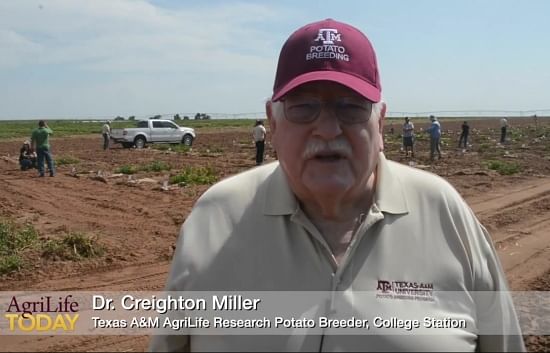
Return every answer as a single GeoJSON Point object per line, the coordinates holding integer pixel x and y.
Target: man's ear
{"type": "Point", "coordinates": [270, 117]}
{"type": "Point", "coordinates": [381, 120]}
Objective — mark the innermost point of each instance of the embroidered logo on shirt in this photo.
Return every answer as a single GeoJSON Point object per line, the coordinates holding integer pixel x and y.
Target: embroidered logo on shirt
{"type": "Point", "coordinates": [405, 290]}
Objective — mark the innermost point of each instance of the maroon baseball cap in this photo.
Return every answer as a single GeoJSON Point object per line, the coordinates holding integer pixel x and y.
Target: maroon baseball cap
{"type": "Point", "coordinates": [332, 51]}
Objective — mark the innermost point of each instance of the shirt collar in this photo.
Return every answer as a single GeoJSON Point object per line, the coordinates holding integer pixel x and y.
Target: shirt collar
{"type": "Point", "coordinates": [389, 194]}
{"type": "Point", "coordinates": [279, 198]}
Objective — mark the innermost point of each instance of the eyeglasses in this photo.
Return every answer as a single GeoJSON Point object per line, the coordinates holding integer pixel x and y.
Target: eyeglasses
{"type": "Point", "coordinates": [306, 109]}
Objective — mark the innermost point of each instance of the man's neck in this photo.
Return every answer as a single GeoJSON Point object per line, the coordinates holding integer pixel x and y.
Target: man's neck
{"type": "Point", "coordinates": [338, 234]}
{"type": "Point", "coordinates": [338, 219]}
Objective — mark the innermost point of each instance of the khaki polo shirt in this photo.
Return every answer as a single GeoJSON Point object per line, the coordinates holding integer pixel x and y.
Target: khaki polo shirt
{"type": "Point", "coordinates": [248, 233]}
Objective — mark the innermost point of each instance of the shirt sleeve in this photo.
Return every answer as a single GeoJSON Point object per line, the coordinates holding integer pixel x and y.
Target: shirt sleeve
{"type": "Point", "coordinates": [495, 308]}
{"type": "Point", "coordinates": [497, 321]}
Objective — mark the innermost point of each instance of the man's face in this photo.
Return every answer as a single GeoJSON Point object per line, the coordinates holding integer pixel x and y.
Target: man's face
{"type": "Point", "coordinates": [326, 156]}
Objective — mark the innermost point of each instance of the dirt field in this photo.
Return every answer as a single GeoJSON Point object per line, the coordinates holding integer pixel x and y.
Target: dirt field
{"type": "Point", "coordinates": [137, 222]}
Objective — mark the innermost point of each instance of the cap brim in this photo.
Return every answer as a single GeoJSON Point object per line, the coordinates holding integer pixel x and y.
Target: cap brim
{"type": "Point", "coordinates": [363, 88]}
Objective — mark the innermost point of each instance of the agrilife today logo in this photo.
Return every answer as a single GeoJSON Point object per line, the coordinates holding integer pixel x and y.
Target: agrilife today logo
{"type": "Point", "coordinates": [46, 314]}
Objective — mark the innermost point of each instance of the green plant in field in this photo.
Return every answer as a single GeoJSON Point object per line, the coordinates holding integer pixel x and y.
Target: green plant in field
{"type": "Point", "coordinates": [208, 151]}
{"type": "Point", "coordinates": [156, 166]}
{"type": "Point", "coordinates": [216, 150]}
{"type": "Point", "coordinates": [397, 138]}
{"type": "Point", "coordinates": [181, 148]}
{"type": "Point", "coordinates": [63, 160]}
{"type": "Point", "coordinates": [483, 147]}
{"type": "Point", "coordinates": [54, 248]}
{"type": "Point", "coordinates": [195, 176]}
{"type": "Point", "coordinates": [127, 169]}
{"type": "Point", "coordinates": [11, 263]}
{"type": "Point", "coordinates": [161, 147]}
{"type": "Point", "coordinates": [13, 241]}
{"type": "Point", "coordinates": [504, 168]}
{"type": "Point", "coordinates": [516, 134]}
{"type": "Point", "coordinates": [421, 137]}
{"type": "Point", "coordinates": [73, 246]}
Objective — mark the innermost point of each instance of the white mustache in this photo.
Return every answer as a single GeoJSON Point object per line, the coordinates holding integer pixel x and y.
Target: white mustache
{"type": "Point", "coordinates": [339, 146]}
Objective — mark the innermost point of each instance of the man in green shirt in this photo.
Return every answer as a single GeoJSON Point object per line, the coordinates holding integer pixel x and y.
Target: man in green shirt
{"type": "Point", "coordinates": [40, 140]}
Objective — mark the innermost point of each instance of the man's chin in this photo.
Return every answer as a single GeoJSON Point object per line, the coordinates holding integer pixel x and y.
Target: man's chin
{"type": "Point", "coordinates": [328, 185]}
{"type": "Point", "coordinates": [327, 163]}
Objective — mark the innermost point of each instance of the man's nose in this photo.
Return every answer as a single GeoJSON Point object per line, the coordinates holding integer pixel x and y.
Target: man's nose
{"type": "Point", "coordinates": [327, 125]}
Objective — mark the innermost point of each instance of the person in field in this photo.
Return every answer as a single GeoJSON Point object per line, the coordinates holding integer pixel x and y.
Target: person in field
{"type": "Point", "coordinates": [503, 130]}
{"type": "Point", "coordinates": [408, 137]}
{"type": "Point", "coordinates": [258, 134]}
{"type": "Point", "coordinates": [40, 140]}
{"type": "Point", "coordinates": [463, 140]}
{"type": "Point", "coordinates": [435, 137]}
{"type": "Point", "coordinates": [106, 134]}
{"type": "Point", "coordinates": [27, 157]}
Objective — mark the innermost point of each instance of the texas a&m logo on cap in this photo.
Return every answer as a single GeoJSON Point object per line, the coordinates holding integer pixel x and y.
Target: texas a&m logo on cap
{"type": "Point", "coordinates": [325, 46]}
{"type": "Point", "coordinates": [328, 36]}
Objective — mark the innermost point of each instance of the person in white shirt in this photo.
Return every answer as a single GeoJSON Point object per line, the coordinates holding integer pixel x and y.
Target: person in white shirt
{"type": "Point", "coordinates": [503, 128]}
{"type": "Point", "coordinates": [258, 133]}
{"type": "Point", "coordinates": [408, 137]}
{"type": "Point", "coordinates": [106, 133]}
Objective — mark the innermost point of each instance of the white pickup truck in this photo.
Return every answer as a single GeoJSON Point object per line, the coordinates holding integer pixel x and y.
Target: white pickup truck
{"type": "Point", "coordinates": [153, 131]}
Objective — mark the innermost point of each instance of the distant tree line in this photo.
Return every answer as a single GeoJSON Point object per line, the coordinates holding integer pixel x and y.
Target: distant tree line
{"type": "Point", "coordinates": [178, 117]}
{"type": "Point", "coordinates": [201, 116]}
{"type": "Point", "coordinates": [198, 116]}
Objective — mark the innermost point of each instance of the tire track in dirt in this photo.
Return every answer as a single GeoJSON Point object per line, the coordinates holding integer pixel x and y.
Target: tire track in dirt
{"type": "Point", "coordinates": [510, 197]}
{"type": "Point", "coordinates": [140, 277]}
{"type": "Point", "coordinates": [67, 194]}
{"type": "Point", "coordinates": [518, 219]}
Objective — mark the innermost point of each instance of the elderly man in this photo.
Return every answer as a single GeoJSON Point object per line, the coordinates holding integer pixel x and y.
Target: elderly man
{"type": "Point", "coordinates": [334, 216]}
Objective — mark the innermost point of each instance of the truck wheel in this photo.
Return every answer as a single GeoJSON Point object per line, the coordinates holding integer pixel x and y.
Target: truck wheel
{"type": "Point", "coordinates": [139, 142]}
{"type": "Point", "coordinates": [187, 140]}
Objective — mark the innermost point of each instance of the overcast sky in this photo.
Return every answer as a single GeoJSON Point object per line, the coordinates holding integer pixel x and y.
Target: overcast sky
{"type": "Point", "coordinates": [103, 58]}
